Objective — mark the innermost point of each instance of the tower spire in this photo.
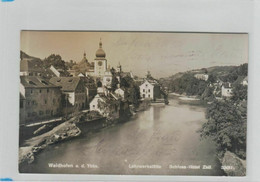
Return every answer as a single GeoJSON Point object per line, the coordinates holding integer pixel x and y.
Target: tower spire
{"type": "Point", "coordinates": [100, 43]}
{"type": "Point", "coordinates": [84, 54]}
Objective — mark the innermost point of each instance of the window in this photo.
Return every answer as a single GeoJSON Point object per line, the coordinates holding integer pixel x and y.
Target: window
{"type": "Point", "coordinates": [149, 95]}
{"type": "Point", "coordinates": [33, 102]}
{"type": "Point", "coordinates": [148, 90]}
{"type": "Point", "coordinates": [31, 83]}
{"type": "Point", "coordinates": [143, 95]}
{"type": "Point", "coordinates": [28, 103]}
{"type": "Point", "coordinates": [44, 82]}
{"type": "Point", "coordinates": [31, 91]}
{"type": "Point", "coordinates": [40, 91]}
{"type": "Point", "coordinates": [47, 90]}
{"type": "Point", "coordinates": [93, 106]}
{"type": "Point", "coordinates": [143, 90]}
{"type": "Point", "coordinates": [40, 113]}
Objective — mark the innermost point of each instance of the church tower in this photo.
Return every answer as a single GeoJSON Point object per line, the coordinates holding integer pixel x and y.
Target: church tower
{"type": "Point", "coordinates": [100, 61]}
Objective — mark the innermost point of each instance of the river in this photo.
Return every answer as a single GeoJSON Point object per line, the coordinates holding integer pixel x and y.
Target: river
{"type": "Point", "coordinates": [161, 140]}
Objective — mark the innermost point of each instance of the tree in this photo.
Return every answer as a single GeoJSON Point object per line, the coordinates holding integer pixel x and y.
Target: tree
{"type": "Point", "coordinates": [226, 126]}
{"type": "Point", "coordinates": [134, 95]}
{"type": "Point", "coordinates": [56, 61]}
{"type": "Point", "coordinates": [212, 78]}
{"type": "Point", "coordinates": [239, 92]}
{"type": "Point", "coordinates": [114, 83]}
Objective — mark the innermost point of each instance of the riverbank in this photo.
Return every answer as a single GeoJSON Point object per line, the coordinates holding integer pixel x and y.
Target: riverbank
{"type": "Point", "coordinates": [33, 146]}
{"type": "Point", "coordinates": [69, 129]}
{"type": "Point", "coordinates": [185, 97]}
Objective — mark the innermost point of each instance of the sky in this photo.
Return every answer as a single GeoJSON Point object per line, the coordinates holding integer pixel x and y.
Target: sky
{"type": "Point", "coordinates": [161, 53]}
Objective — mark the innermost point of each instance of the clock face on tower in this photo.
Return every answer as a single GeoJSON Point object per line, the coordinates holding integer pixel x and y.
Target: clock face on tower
{"type": "Point", "coordinates": [100, 63]}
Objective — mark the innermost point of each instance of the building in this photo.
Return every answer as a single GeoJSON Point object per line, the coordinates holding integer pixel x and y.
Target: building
{"type": "Point", "coordinates": [84, 66]}
{"type": "Point", "coordinates": [226, 90]}
{"type": "Point", "coordinates": [245, 81]}
{"type": "Point", "coordinates": [204, 77]}
{"type": "Point", "coordinates": [121, 93]}
{"type": "Point", "coordinates": [39, 99]}
{"type": "Point", "coordinates": [150, 89]}
{"type": "Point", "coordinates": [107, 79]}
{"type": "Point", "coordinates": [100, 62]}
{"type": "Point", "coordinates": [106, 105]}
{"type": "Point", "coordinates": [31, 67]}
{"type": "Point", "coordinates": [58, 72]}
{"type": "Point", "coordinates": [90, 88]}
{"type": "Point", "coordinates": [74, 93]}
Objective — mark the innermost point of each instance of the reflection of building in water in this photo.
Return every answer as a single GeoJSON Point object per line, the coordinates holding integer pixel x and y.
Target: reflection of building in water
{"type": "Point", "coordinates": [155, 112]}
{"type": "Point", "coordinates": [151, 113]}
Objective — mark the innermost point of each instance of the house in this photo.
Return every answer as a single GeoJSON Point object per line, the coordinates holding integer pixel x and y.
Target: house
{"type": "Point", "coordinates": [245, 81]}
{"type": "Point", "coordinates": [150, 89]}
{"type": "Point", "coordinates": [106, 105]}
{"type": "Point", "coordinates": [204, 77]}
{"type": "Point", "coordinates": [31, 67]}
{"type": "Point", "coordinates": [121, 93]}
{"type": "Point", "coordinates": [90, 88]}
{"type": "Point", "coordinates": [226, 90]}
{"type": "Point", "coordinates": [39, 99]}
{"type": "Point", "coordinates": [74, 94]}
{"type": "Point", "coordinates": [58, 72]}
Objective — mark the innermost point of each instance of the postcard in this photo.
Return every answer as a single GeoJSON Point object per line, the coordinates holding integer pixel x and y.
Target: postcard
{"type": "Point", "coordinates": [133, 103]}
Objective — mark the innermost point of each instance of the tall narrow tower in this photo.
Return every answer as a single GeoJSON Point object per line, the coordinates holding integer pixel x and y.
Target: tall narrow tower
{"type": "Point", "coordinates": [100, 61]}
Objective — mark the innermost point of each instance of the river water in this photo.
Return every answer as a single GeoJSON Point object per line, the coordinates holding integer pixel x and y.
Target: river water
{"type": "Point", "coordinates": [161, 140]}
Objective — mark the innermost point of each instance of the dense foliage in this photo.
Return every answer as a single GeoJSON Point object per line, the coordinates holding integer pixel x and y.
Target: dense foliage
{"type": "Point", "coordinates": [188, 84]}
{"type": "Point", "coordinates": [227, 126]}
{"type": "Point", "coordinates": [132, 90]}
{"type": "Point", "coordinates": [226, 118]}
{"type": "Point", "coordinates": [56, 61]}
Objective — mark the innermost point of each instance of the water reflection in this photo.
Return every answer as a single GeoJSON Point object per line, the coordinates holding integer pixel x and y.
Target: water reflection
{"type": "Point", "coordinates": [161, 135]}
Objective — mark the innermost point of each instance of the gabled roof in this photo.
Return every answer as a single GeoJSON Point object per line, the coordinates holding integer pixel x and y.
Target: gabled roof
{"type": "Point", "coordinates": [35, 82]}
{"type": "Point", "coordinates": [106, 98]}
{"type": "Point", "coordinates": [152, 82]}
{"type": "Point", "coordinates": [66, 83]}
{"type": "Point", "coordinates": [22, 97]}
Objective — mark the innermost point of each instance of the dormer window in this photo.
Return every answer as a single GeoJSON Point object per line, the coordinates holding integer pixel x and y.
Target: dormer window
{"type": "Point", "coordinates": [44, 82]}
{"type": "Point", "coordinates": [32, 83]}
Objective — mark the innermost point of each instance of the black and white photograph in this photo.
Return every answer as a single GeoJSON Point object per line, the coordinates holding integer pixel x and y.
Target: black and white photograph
{"type": "Point", "coordinates": [133, 103]}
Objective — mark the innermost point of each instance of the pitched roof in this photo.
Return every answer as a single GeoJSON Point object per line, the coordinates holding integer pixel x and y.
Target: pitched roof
{"type": "Point", "coordinates": [22, 97]}
{"type": "Point", "coordinates": [36, 82]}
{"type": "Point", "coordinates": [67, 83]}
{"type": "Point", "coordinates": [107, 98]}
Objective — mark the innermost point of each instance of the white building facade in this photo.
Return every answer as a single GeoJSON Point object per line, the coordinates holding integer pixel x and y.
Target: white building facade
{"type": "Point", "coordinates": [146, 90]}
